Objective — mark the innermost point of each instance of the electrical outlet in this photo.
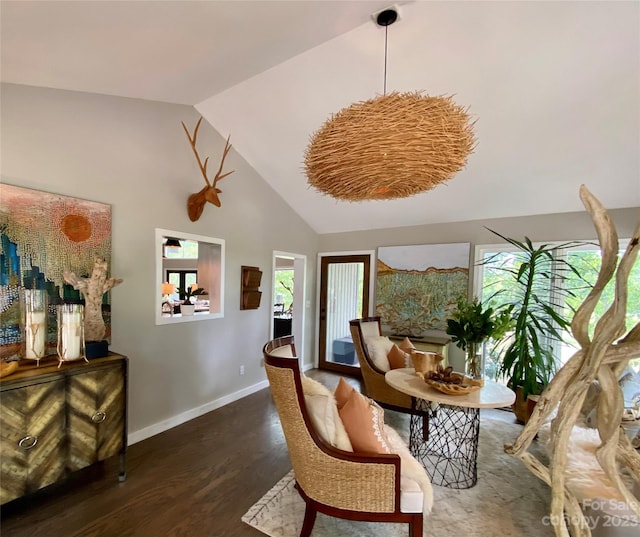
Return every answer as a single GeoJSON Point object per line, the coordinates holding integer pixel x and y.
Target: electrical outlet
{"type": "Point", "coordinates": [242, 370]}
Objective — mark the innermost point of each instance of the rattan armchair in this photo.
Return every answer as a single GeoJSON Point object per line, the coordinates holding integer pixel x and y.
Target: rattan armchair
{"type": "Point", "coordinates": [375, 385]}
{"type": "Point", "coordinates": [330, 481]}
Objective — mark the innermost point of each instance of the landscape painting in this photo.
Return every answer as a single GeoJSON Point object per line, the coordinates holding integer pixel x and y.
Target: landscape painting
{"type": "Point", "coordinates": [41, 235]}
{"type": "Point", "coordinates": [417, 287]}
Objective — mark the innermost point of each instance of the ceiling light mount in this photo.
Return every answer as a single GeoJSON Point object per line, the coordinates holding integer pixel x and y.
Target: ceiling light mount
{"type": "Point", "coordinates": [386, 17]}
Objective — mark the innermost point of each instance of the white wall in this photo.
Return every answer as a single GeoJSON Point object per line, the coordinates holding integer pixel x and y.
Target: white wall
{"type": "Point", "coordinates": [134, 155]}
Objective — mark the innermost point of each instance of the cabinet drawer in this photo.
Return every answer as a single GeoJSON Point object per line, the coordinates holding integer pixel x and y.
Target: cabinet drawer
{"type": "Point", "coordinates": [96, 416]}
{"type": "Point", "coordinates": [32, 438]}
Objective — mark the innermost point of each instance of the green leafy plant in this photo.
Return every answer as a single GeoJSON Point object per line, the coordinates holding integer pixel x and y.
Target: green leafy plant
{"type": "Point", "coordinates": [472, 323]}
{"type": "Point", "coordinates": [186, 294]}
{"type": "Point", "coordinates": [536, 293]}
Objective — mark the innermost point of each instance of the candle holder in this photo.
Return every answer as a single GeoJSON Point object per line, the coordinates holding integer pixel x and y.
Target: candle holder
{"type": "Point", "coordinates": [34, 322]}
{"type": "Point", "coordinates": [71, 344]}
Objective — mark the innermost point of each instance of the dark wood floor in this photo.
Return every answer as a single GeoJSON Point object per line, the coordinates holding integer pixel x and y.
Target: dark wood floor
{"type": "Point", "coordinates": [197, 479]}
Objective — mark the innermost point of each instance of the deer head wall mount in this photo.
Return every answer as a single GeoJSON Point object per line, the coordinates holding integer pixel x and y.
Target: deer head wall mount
{"type": "Point", "coordinates": [196, 202]}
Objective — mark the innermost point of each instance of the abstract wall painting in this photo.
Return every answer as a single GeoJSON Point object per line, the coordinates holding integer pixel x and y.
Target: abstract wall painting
{"type": "Point", "coordinates": [417, 287]}
{"type": "Point", "coordinates": [42, 234]}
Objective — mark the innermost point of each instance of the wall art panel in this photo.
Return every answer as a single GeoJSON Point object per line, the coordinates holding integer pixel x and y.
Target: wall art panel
{"type": "Point", "coordinates": [42, 234]}
{"type": "Point", "coordinates": [417, 286]}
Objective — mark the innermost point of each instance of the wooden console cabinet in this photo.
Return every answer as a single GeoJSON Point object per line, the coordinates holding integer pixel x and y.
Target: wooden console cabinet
{"type": "Point", "coordinates": [54, 421]}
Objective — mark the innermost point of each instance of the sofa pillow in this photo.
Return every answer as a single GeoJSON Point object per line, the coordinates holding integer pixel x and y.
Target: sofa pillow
{"type": "Point", "coordinates": [406, 345]}
{"type": "Point", "coordinates": [323, 411]}
{"type": "Point", "coordinates": [378, 347]}
{"type": "Point", "coordinates": [364, 421]}
{"type": "Point", "coordinates": [397, 358]}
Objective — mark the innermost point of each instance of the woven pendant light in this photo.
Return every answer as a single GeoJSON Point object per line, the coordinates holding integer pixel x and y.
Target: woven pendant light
{"type": "Point", "coordinates": [392, 146]}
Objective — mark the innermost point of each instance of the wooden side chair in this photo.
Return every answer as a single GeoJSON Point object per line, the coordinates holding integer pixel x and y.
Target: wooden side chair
{"type": "Point", "coordinates": [331, 481]}
{"type": "Point", "coordinates": [375, 385]}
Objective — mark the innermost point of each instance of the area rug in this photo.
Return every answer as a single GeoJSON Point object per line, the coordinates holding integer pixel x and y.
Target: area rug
{"type": "Point", "coordinates": [507, 501]}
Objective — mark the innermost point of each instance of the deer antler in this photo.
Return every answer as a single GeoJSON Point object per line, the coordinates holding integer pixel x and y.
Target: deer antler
{"type": "Point", "coordinates": [196, 202]}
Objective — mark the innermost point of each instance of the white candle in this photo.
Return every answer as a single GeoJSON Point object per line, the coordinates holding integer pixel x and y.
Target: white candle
{"type": "Point", "coordinates": [36, 335]}
{"type": "Point", "coordinates": [71, 335]}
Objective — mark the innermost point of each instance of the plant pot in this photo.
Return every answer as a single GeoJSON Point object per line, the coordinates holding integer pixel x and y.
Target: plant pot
{"type": "Point", "coordinates": [187, 309]}
{"type": "Point", "coordinates": [520, 406]}
{"type": "Point", "coordinates": [532, 401]}
{"type": "Point", "coordinates": [523, 408]}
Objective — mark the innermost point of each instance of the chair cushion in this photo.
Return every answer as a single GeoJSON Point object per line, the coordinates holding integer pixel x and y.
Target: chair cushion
{"type": "Point", "coordinates": [397, 358]}
{"type": "Point", "coordinates": [322, 409]}
{"type": "Point", "coordinates": [363, 420]}
{"type": "Point", "coordinates": [378, 347]}
{"type": "Point", "coordinates": [286, 351]}
{"type": "Point", "coordinates": [416, 492]}
{"type": "Point", "coordinates": [411, 496]}
{"type": "Point", "coordinates": [369, 328]}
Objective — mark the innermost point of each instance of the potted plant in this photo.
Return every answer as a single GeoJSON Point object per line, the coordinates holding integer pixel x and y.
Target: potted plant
{"type": "Point", "coordinates": [188, 307]}
{"type": "Point", "coordinates": [533, 287]}
{"type": "Point", "coordinates": [472, 323]}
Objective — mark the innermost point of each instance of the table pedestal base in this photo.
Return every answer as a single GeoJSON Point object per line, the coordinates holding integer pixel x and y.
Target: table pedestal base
{"type": "Point", "coordinates": [445, 439]}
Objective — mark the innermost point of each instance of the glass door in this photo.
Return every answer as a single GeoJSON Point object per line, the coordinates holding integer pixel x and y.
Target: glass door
{"type": "Point", "coordinates": [344, 295]}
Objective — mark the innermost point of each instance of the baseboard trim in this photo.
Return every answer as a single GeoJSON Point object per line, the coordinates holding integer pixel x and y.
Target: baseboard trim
{"type": "Point", "coordinates": [174, 421]}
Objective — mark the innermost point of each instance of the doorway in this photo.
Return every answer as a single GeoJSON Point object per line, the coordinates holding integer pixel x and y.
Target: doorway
{"type": "Point", "coordinates": [288, 298]}
{"type": "Point", "coordinates": [345, 288]}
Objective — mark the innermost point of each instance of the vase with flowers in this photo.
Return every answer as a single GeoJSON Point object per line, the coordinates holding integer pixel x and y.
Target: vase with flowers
{"type": "Point", "coordinates": [471, 324]}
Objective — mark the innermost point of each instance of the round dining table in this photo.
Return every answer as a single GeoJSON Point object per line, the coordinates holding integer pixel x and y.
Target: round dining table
{"type": "Point", "coordinates": [444, 429]}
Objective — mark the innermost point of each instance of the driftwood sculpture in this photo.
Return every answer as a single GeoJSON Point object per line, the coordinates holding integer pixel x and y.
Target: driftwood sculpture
{"type": "Point", "coordinates": [602, 357]}
{"type": "Point", "coordinates": [196, 202]}
{"type": "Point", "coordinates": [92, 290]}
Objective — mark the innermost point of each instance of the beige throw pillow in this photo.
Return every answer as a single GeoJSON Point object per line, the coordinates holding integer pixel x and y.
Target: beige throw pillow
{"type": "Point", "coordinates": [322, 409]}
{"type": "Point", "coordinates": [378, 347]}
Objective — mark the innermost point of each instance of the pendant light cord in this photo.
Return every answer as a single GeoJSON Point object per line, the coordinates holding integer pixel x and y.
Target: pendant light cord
{"type": "Point", "coordinates": [386, 30]}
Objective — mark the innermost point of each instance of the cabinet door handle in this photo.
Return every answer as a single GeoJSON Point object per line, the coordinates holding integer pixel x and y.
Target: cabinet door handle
{"type": "Point", "coordinates": [98, 417]}
{"type": "Point", "coordinates": [28, 442]}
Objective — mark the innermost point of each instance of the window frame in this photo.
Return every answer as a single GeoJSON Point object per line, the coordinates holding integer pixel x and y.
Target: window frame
{"type": "Point", "coordinates": [480, 250]}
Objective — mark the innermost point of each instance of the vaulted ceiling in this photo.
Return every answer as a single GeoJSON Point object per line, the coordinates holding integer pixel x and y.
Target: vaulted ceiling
{"type": "Point", "coordinates": [554, 87]}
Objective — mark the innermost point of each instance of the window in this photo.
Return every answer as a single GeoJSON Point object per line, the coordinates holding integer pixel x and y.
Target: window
{"type": "Point", "coordinates": [182, 279]}
{"type": "Point", "coordinates": [180, 249]}
{"type": "Point", "coordinates": [185, 259]}
{"type": "Point", "coordinates": [587, 259]}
